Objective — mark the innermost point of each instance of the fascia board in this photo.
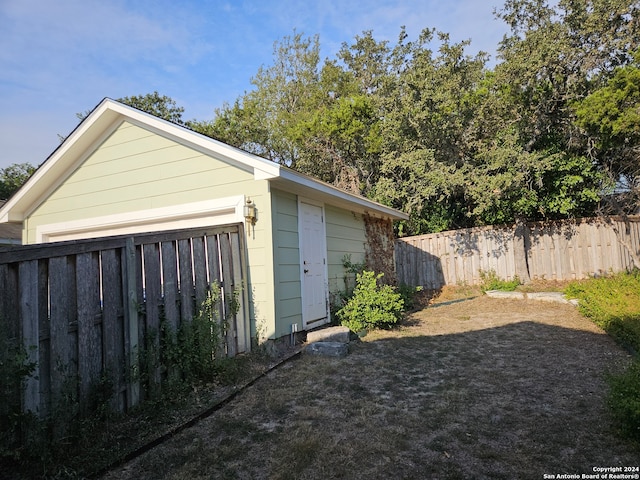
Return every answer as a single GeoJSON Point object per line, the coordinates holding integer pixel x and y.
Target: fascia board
{"type": "Point", "coordinates": [336, 196]}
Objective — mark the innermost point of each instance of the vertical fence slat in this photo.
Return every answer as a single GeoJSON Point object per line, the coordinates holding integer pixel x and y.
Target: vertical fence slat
{"type": "Point", "coordinates": [227, 291]}
{"type": "Point", "coordinates": [170, 284]}
{"type": "Point", "coordinates": [131, 323]}
{"type": "Point", "coordinates": [239, 294]}
{"type": "Point", "coordinates": [186, 280]}
{"type": "Point", "coordinates": [63, 371]}
{"type": "Point", "coordinates": [584, 250]}
{"type": "Point", "coordinates": [44, 348]}
{"type": "Point", "coordinates": [9, 340]}
{"type": "Point", "coordinates": [29, 311]}
{"type": "Point", "coordinates": [113, 325]}
{"type": "Point", "coordinates": [213, 262]}
{"type": "Point", "coordinates": [89, 316]}
{"type": "Point", "coordinates": [152, 299]}
{"type": "Point", "coordinates": [201, 282]}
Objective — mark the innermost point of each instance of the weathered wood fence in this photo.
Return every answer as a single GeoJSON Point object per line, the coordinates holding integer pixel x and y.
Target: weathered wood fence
{"type": "Point", "coordinates": [562, 250]}
{"type": "Point", "coordinates": [84, 309]}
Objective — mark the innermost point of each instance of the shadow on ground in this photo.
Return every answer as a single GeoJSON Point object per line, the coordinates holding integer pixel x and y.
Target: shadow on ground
{"type": "Point", "coordinates": [479, 393]}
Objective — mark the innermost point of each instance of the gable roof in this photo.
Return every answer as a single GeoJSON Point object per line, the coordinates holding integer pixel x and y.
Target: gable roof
{"type": "Point", "coordinates": [109, 114]}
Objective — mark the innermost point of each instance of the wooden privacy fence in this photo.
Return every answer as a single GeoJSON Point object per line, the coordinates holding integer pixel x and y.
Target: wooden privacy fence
{"type": "Point", "coordinates": [560, 250]}
{"type": "Point", "coordinates": [84, 309]}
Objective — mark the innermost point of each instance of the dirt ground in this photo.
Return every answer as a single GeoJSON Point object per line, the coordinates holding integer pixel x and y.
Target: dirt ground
{"type": "Point", "coordinates": [468, 389]}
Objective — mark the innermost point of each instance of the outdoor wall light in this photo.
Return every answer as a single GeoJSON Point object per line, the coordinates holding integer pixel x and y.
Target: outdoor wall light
{"type": "Point", "coordinates": [249, 212]}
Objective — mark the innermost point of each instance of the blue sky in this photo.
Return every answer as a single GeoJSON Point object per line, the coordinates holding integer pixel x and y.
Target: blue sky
{"type": "Point", "coordinates": [58, 58]}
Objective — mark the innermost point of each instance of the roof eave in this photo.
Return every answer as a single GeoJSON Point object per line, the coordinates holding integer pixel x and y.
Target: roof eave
{"type": "Point", "coordinates": [338, 196]}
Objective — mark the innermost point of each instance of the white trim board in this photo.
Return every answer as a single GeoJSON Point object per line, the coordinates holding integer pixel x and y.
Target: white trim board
{"type": "Point", "coordinates": [197, 214]}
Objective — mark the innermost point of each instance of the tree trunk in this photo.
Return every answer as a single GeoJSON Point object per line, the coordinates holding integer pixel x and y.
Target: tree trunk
{"type": "Point", "coordinates": [520, 240]}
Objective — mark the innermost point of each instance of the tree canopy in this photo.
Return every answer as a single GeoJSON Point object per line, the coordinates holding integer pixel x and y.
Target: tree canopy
{"type": "Point", "coordinates": [158, 105]}
{"type": "Point", "coordinates": [425, 127]}
{"type": "Point", "coordinates": [13, 177]}
{"type": "Point", "coordinates": [548, 132]}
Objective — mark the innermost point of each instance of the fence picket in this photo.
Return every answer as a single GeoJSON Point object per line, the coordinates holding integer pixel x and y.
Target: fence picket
{"type": "Point", "coordinates": [186, 280]}
{"type": "Point", "coordinates": [131, 320]}
{"type": "Point", "coordinates": [227, 293]}
{"type": "Point", "coordinates": [170, 284]}
{"type": "Point", "coordinates": [89, 316]}
{"type": "Point", "coordinates": [112, 324]}
{"type": "Point", "coordinates": [201, 282]}
{"type": "Point", "coordinates": [29, 310]}
{"type": "Point", "coordinates": [238, 292]}
{"type": "Point", "coordinates": [62, 367]}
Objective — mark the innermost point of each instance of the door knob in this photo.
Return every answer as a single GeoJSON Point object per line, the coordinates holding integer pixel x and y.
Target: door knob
{"type": "Point", "coordinates": [306, 271]}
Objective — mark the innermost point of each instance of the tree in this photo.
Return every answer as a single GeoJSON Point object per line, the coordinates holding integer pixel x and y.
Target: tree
{"type": "Point", "coordinates": [429, 112]}
{"type": "Point", "coordinates": [424, 127]}
{"type": "Point", "coordinates": [610, 118]}
{"type": "Point", "coordinates": [159, 105]}
{"type": "Point", "coordinates": [553, 56]}
{"type": "Point", "coordinates": [508, 183]}
{"type": "Point", "coordinates": [261, 121]}
{"type": "Point", "coordinates": [532, 160]}
{"type": "Point", "coordinates": [13, 177]}
{"type": "Point", "coordinates": [311, 117]}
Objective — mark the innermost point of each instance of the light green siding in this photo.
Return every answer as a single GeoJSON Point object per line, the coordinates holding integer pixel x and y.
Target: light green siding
{"type": "Point", "coordinates": [345, 236]}
{"type": "Point", "coordinates": [261, 264]}
{"type": "Point", "coordinates": [134, 170]}
{"type": "Point", "coordinates": [286, 249]}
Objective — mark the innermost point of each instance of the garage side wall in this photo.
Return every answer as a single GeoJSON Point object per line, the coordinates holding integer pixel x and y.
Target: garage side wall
{"type": "Point", "coordinates": [286, 254]}
{"type": "Point", "coordinates": [346, 239]}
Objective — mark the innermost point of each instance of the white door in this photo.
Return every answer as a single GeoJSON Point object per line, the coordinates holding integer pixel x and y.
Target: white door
{"type": "Point", "coordinates": [313, 253]}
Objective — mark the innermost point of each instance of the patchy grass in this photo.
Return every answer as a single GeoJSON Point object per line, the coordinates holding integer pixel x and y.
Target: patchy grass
{"type": "Point", "coordinates": [467, 388]}
{"type": "Point", "coordinates": [542, 285]}
{"type": "Point", "coordinates": [98, 442]}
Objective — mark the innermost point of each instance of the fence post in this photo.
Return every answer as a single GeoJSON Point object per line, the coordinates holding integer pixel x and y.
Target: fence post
{"type": "Point", "coordinates": [131, 322]}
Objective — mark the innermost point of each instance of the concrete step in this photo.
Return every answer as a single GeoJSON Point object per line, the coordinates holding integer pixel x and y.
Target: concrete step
{"type": "Point", "coordinates": [326, 349]}
{"type": "Point", "coordinates": [503, 294]}
{"type": "Point", "coordinates": [557, 297]}
{"type": "Point", "coordinates": [329, 334]}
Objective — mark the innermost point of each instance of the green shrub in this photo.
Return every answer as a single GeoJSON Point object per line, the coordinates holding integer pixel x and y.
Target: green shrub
{"type": "Point", "coordinates": [15, 369]}
{"type": "Point", "coordinates": [613, 303]}
{"type": "Point", "coordinates": [194, 352]}
{"type": "Point", "coordinates": [408, 294]}
{"type": "Point", "coordinates": [624, 399]}
{"type": "Point", "coordinates": [489, 280]}
{"type": "Point", "coordinates": [372, 305]}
